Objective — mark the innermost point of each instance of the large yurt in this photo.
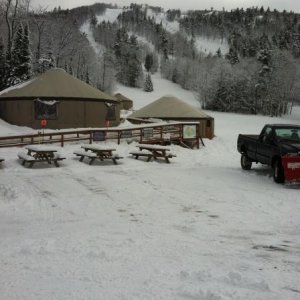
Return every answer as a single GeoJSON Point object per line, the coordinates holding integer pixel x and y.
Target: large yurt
{"type": "Point", "coordinates": [61, 99]}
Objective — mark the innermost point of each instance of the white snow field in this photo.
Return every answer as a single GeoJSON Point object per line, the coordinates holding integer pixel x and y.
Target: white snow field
{"type": "Point", "coordinates": [211, 46]}
{"type": "Point", "coordinates": [197, 228]}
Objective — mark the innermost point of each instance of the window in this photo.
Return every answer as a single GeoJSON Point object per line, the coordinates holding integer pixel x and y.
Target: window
{"type": "Point", "coordinates": [267, 134]}
{"type": "Point", "coordinates": [110, 112]}
{"type": "Point", "coordinates": [288, 133]}
{"type": "Point", "coordinates": [45, 109]}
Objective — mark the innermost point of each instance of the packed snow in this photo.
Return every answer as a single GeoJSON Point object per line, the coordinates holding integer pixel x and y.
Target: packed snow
{"type": "Point", "coordinates": [197, 228]}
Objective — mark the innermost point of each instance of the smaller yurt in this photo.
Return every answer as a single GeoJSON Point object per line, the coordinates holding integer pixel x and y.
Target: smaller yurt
{"type": "Point", "coordinates": [172, 108]}
{"type": "Point", "coordinates": [125, 103]}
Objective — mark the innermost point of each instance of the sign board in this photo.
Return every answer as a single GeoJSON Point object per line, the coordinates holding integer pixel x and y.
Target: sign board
{"type": "Point", "coordinates": [148, 133]}
{"type": "Point", "coordinates": [126, 134]}
{"type": "Point", "coordinates": [99, 136]}
{"type": "Point", "coordinates": [169, 128]}
{"type": "Point", "coordinates": [189, 131]}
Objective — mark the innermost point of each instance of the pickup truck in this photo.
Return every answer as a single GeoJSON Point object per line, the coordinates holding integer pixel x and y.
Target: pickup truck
{"type": "Point", "coordinates": [278, 146]}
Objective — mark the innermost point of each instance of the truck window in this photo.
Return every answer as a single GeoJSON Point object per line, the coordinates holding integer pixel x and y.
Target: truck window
{"type": "Point", "coordinates": [288, 133]}
{"type": "Point", "coordinates": [267, 133]}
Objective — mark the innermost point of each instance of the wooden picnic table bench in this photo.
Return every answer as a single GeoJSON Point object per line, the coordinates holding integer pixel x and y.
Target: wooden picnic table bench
{"type": "Point", "coordinates": [94, 152]}
{"type": "Point", "coordinates": [137, 154]}
{"type": "Point", "coordinates": [40, 153]}
{"type": "Point", "coordinates": [153, 151]}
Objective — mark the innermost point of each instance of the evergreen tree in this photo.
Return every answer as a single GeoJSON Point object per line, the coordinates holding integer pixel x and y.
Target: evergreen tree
{"type": "Point", "coordinates": [15, 72]}
{"type": "Point", "coordinates": [20, 63]}
{"type": "Point", "coordinates": [148, 86]}
{"type": "Point", "coordinates": [128, 64]}
{"type": "Point", "coordinates": [26, 66]}
{"type": "Point", "coordinates": [93, 20]}
{"type": "Point", "coordinates": [148, 62]}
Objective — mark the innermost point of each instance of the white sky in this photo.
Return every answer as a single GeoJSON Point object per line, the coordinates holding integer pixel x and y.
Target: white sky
{"type": "Point", "coordinates": [293, 5]}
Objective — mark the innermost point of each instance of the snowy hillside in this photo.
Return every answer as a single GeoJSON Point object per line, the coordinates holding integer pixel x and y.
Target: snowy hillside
{"type": "Point", "coordinates": [172, 27]}
{"type": "Point", "coordinates": [162, 87]}
{"type": "Point", "coordinates": [197, 228]}
{"type": "Point", "coordinates": [202, 44]}
{"type": "Point", "coordinates": [211, 46]}
{"type": "Point", "coordinates": [110, 15]}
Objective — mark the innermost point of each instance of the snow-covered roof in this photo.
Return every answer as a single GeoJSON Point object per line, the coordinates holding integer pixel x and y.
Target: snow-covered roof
{"type": "Point", "coordinates": [55, 84]}
{"type": "Point", "coordinates": [169, 107]}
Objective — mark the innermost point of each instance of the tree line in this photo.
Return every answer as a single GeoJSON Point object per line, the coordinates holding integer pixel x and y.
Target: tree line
{"type": "Point", "coordinates": [258, 74]}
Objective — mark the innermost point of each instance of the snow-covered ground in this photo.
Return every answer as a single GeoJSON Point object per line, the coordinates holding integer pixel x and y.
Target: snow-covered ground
{"type": "Point", "coordinates": [197, 228]}
{"type": "Point", "coordinates": [208, 46]}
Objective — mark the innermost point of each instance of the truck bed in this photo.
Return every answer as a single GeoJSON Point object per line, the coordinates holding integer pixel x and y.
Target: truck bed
{"type": "Point", "coordinates": [250, 136]}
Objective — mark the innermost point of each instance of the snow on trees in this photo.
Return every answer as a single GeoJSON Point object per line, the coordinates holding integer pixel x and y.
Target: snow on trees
{"type": "Point", "coordinates": [128, 59]}
{"type": "Point", "coordinates": [148, 86]}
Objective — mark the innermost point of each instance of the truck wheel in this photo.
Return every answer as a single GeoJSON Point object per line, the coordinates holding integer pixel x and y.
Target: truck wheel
{"type": "Point", "coordinates": [278, 172]}
{"type": "Point", "coordinates": [246, 163]}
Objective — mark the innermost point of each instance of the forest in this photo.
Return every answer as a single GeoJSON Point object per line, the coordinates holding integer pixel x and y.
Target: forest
{"type": "Point", "coordinates": [259, 74]}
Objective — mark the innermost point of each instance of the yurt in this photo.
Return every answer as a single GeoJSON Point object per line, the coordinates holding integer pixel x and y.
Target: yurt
{"type": "Point", "coordinates": [125, 103]}
{"type": "Point", "coordinates": [172, 108]}
{"type": "Point", "coordinates": [61, 99]}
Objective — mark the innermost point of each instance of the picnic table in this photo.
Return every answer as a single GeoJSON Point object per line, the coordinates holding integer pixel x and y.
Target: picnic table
{"type": "Point", "coordinates": [94, 152]}
{"type": "Point", "coordinates": [40, 153]}
{"type": "Point", "coordinates": [153, 151]}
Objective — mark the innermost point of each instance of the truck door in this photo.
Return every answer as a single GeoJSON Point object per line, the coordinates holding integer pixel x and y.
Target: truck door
{"type": "Point", "coordinates": [266, 145]}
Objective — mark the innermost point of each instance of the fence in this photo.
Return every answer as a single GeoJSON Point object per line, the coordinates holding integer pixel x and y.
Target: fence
{"type": "Point", "coordinates": [183, 133]}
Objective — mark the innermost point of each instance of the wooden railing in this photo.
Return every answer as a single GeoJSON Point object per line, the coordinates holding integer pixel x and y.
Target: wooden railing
{"type": "Point", "coordinates": [160, 133]}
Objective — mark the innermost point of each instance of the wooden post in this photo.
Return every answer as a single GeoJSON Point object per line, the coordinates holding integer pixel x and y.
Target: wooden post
{"type": "Point", "coordinates": [161, 135]}
{"type": "Point", "coordinates": [141, 136]}
{"type": "Point", "coordinates": [62, 140]}
{"type": "Point", "coordinates": [119, 137]}
{"type": "Point", "coordinates": [91, 137]}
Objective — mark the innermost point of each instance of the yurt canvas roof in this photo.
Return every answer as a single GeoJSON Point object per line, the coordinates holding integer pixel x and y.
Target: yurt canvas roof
{"type": "Point", "coordinates": [169, 107]}
{"type": "Point", "coordinates": [55, 84]}
{"type": "Point", "coordinates": [121, 97]}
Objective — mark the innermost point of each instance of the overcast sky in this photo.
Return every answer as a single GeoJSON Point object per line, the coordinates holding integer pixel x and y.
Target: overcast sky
{"type": "Point", "coordinates": [288, 5]}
